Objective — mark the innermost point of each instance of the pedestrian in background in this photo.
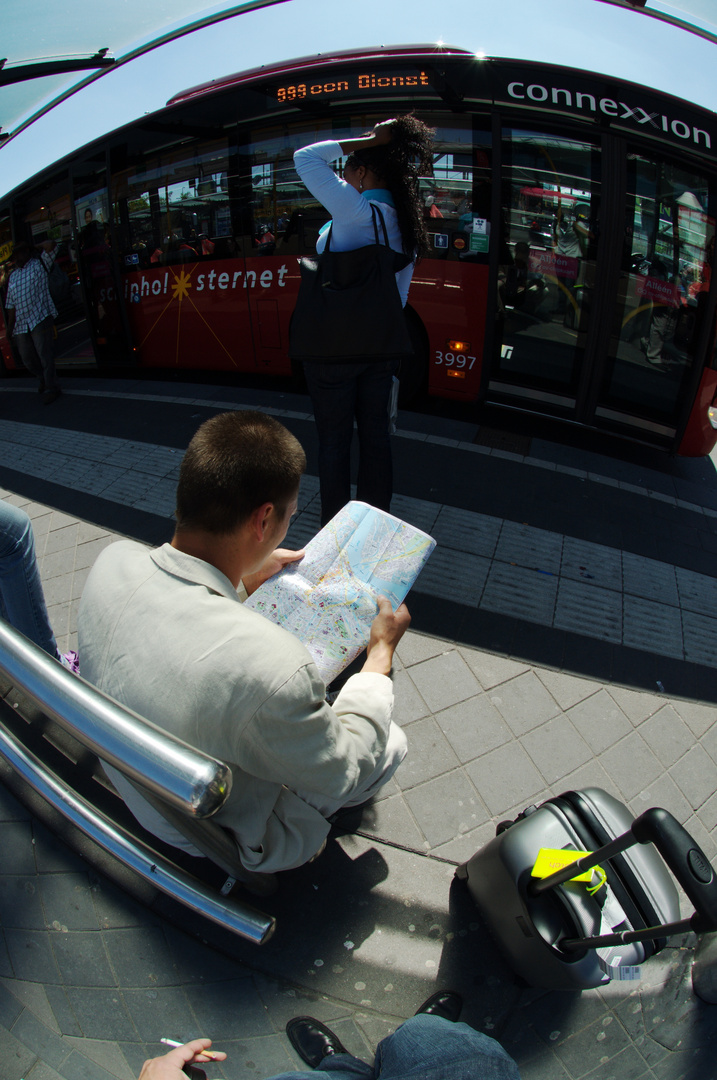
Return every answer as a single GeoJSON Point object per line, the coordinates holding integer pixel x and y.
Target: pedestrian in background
{"type": "Point", "coordinates": [31, 314]}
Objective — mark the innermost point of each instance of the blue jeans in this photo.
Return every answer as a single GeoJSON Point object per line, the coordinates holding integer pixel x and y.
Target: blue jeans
{"type": "Point", "coordinates": [339, 393]}
{"type": "Point", "coordinates": [22, 601]}
{"type": "Point", "coordinates": [424, 1048]}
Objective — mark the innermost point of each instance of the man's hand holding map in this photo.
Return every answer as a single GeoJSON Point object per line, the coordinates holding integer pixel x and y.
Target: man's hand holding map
{"type": "Point", "coordinates": [329, 599]}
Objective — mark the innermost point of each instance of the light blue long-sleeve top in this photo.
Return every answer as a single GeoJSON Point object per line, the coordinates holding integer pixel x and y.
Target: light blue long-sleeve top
{"type": "Point", "coordinates": [350, 210]}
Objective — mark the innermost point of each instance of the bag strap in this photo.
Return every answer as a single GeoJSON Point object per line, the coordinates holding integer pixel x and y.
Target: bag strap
{"type": "Point", "coordinates": [374, 211]}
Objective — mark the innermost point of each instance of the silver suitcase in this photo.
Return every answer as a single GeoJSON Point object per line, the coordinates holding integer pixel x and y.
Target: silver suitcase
{"type": "Point", "coordinates": [560, 933]}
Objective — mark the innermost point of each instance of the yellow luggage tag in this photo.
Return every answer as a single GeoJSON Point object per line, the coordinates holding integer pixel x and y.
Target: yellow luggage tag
{"type": "Point", "coordinates": [550, 860]}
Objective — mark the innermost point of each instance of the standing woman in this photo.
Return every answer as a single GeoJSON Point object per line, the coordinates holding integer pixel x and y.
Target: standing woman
{"type": "Point", "coordinates": [383, 168]}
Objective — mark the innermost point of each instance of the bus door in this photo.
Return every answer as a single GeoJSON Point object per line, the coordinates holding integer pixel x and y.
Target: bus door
{"type": "Point", "coordinates": [602, 288]}
{"type": "Point", "coordinates": [550, 222]}
{"type": "Point", "coordinates": [181, 235]}
{"type": "Point", "coordinates": [95, 249]}
{"type": "Point", "coordinates": [657, 321]}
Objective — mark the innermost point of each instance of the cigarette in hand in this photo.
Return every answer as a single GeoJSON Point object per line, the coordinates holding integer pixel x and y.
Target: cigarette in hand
{"type": "Point", "coordinates": [174, 1043]}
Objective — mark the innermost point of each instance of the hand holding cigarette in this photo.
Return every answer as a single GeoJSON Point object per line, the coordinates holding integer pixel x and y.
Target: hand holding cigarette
{"type": "Point", "coordinates": [171, 1066]}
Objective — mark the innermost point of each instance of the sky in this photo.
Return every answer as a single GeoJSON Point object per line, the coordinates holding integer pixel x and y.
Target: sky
{"type": "Point", "coordinates": [578, 33]}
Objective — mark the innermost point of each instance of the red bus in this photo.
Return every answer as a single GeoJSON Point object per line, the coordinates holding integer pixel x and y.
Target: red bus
{"type": "Point", "coordinates": [571, 220]}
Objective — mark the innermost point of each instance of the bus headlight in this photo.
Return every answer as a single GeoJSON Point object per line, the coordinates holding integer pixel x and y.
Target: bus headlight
{"type": "Point", "coordinates": [712, 415]}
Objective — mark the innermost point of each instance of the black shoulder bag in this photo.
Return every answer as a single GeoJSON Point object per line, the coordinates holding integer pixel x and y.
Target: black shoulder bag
{"type": "Point", "coordinates": [57, 281]}
{"type": "Point", "coordinates": [349, 307]}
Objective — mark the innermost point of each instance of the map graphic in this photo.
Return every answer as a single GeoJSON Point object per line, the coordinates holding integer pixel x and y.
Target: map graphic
{"type": "Point", "coordinates": [328, 600]}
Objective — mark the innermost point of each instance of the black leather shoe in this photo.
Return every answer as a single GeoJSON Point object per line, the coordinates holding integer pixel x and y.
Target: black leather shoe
{"type": "Point", "coordinates": [312, 1040]}
{"type": "Point", "coordinates": [443, 1003]}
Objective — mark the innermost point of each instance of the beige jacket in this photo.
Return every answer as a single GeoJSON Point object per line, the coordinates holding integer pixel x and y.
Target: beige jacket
{"type": "Point", "coordinates": [167, 635]}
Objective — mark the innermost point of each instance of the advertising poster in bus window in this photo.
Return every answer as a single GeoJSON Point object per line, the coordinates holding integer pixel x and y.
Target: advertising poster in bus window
{"type": "Point", "coordinates": [90, 209]}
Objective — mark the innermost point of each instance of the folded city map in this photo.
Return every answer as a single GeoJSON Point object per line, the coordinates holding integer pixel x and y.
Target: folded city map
{"type": "Point", "coordinates": [328, 600]}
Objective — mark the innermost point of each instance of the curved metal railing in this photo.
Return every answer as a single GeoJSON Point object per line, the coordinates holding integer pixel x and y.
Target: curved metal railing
{"type": "Point", "coordinates": [168, 768]}
{"type": "Point", "coordinates": [172, 771]}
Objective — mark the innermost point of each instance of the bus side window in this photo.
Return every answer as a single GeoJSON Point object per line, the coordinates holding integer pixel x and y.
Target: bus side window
{"type": "Point", "coordinates": [456, 197]}
{"type": "Point", "coordinates": [175, 207]}
{"type": "Point", "coordinates": [285, 217]}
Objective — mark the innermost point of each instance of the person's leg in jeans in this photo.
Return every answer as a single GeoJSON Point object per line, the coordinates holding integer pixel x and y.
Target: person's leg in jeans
{"type": "Point", "coordinates": [332, 388]}
{"type": "Point", "coordinates": [22, 601]}
{"type": "Point", "coordinates": [431, 1048]}
{"type": "Point", "coordinates": [29, 357]}
{"type": "Point", "coordinates": [43, 337]}
{"type": "Point", "coordinates": [335, 1067]}
{"type": "Point", "coordinates": [425, 1048]}
{"type": "Point", "coordinates": [375, 473]}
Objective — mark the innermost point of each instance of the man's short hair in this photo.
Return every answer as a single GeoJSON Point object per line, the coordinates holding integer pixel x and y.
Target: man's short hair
{"type": "Point", "coordinates": [236, 462]}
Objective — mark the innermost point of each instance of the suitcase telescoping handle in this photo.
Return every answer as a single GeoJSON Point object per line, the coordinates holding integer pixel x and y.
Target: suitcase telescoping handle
{"type": "Point", "coordinates": [685, 859]}
{"type": "Point", "coordinates": [683, 856]}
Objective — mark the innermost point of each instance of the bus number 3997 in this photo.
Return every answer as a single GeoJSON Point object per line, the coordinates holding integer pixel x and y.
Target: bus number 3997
{"type": "Point", "coordinates": [451, 360]}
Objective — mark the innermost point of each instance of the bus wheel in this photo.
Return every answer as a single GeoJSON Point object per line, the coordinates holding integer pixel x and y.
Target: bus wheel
{"type": "Point", "coordinates": [413, 372]}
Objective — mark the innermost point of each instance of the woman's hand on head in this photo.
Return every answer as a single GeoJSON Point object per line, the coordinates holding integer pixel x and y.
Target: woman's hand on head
{"type": "Point", "coordinates": [380, 135]}
{"type": "Point", "coordinates": [383, 132]}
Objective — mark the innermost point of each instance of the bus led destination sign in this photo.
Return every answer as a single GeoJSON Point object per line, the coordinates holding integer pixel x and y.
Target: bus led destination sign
{"type": "Point", "coordinates": [355, 82]}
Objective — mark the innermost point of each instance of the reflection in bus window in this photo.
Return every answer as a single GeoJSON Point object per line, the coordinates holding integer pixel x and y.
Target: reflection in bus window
{"type": "Point", "coordinates": [285, 219]}
{"type": "Point", "coordinates": [450, 188]}
{"type": "Point", "coordinates": [456, 198]}
{"type": "Point", "coordinates": [174, 207]}
{"type": "Point", "coordinates": [666, 266]}
{"type": "Point", "coordinates": [548, 247]}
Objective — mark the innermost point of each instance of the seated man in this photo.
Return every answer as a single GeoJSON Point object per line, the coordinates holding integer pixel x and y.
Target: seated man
{"type": "Point", "coordinates": [165, 633]}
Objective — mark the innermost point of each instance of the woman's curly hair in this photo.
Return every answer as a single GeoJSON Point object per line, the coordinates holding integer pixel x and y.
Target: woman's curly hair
{"type": "Point", "coordinates": [398, 165]}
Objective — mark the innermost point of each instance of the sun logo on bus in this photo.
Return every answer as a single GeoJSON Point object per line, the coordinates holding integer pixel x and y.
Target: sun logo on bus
{"type": "Point", "coordinates": [181, 290]}
{"type": "Point", "coordinates": [181, 287]}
